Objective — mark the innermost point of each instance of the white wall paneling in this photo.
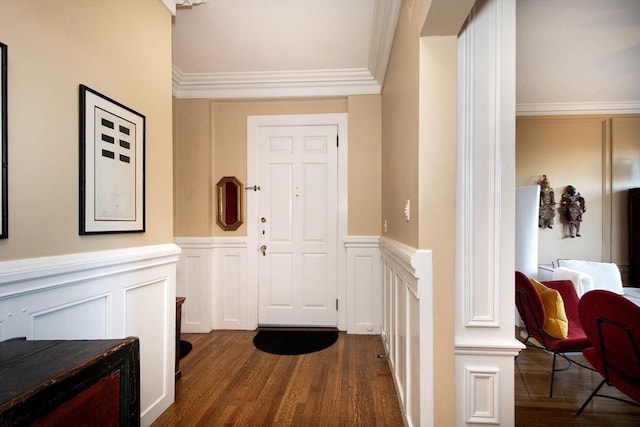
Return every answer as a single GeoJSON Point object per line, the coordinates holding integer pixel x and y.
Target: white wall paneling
{"type": "Point", "coordinates": [485, 345]}
{"type": "Point", "coordinates": [100, 295]}
{"type": "Point", "coordinates": [195, 283]}
{"type": "Point", "coordinates": [230, 298]}
{"type": "Point", "coordinates": [481, 394]}
{"type": "Point", "coordinates": [213, 276]}
{"type": "Point", "coordinates": [407, 327]}
{"type": "Point", "coordinates": [364, 283]}
{"type": "Point", "coordinates": [45, 323]}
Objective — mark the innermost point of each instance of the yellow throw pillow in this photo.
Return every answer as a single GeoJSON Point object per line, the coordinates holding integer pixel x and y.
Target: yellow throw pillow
{"type": "Point", "coordinates": [557, 324]}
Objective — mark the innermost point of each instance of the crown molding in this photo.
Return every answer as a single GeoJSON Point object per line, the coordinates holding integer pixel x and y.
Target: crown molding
{"type": "Point", "coordinates": [278, 84]}
{"type": "Point", "coordinates": [172, 4]}
{"type": "Point", "coordinates": [383, 30]}
{"type": "Point", "coordinates": [301, 83]}
{"type": "Point", "coordinates": [559, 109]}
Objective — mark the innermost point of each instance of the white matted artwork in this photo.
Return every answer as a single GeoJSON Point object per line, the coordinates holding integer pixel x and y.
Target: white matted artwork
{"type": "Point", "coordinates": [112, 138]}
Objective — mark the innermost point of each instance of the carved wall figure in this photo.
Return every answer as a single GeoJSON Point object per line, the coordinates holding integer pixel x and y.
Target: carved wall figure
{"type": "Point", "coordinates": [572, 206]}
{"type": "Point", "coordinates": [547, 210]}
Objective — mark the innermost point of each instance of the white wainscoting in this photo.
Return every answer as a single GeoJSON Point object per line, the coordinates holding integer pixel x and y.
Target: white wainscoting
{"type": "Point", "coordinates": [100, 295]}
{"type": "Point", "coordinates": [213, 277]}
{"type": "Point", "coordinates": [364, 285]}
{"type": "Point", "coordinates": [407, 327]}
{"type": "Point", "coordinates": [230, 284]}
{"type": "Point", "coordinates": [194, 278]}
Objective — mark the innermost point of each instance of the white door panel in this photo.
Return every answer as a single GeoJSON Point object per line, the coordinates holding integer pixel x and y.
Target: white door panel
{"type": "Point", "coordinates": [297, 273]}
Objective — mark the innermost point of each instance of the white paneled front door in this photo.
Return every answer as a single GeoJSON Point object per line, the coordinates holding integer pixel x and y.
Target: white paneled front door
{"type": "Point", "coordinates": [297, 225]}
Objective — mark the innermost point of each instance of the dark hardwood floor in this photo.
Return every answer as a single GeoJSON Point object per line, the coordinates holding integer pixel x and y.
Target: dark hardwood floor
{"type": "Point", "coordinates": [534, 407]}
{"type": "Point", "coordinates": [227, 382]}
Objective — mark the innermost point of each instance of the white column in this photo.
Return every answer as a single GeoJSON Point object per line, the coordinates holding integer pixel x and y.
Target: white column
{"type": "Point", "coordinates": [485, 345]}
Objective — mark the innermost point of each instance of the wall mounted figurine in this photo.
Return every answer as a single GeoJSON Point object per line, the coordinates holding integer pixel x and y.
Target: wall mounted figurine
{"type": "Point", "coordinates": [572, 206]}
{"type": "Point", "coordinates": [547, 210]}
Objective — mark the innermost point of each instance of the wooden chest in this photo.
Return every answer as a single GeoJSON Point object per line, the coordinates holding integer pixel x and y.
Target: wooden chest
{"type": "Point", "coordinates": [70, 382]}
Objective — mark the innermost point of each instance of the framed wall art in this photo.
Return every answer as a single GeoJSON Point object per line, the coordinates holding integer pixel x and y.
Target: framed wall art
{"type": "Point", "coordinates": [4, 141]}
{"type": "Point", "coordinates": [112, 165]}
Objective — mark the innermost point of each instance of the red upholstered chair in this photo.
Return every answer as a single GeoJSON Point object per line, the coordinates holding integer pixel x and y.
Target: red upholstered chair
{"type": "Point", "coordinates": [612, 324]}
{"type": "Point", "coordinates": [533, 315]}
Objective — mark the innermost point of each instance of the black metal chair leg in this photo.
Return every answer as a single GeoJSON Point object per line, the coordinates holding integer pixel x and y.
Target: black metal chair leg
{"type": "Point", "coordinates": [584, 405]}
{"type": "Point", "coordinates": [553, 373]}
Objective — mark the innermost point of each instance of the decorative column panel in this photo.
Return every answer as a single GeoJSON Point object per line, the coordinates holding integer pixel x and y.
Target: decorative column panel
{"type": "Point", "coordinates": [485, 345]}
{"type": "Point", "coordinates": [194, 282]}
{"type": "Point", "coordinates": [364, 289]}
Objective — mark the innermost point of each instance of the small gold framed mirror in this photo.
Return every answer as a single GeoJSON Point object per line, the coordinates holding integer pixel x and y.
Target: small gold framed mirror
{"type": "Point", "coordinates": [229, 191]}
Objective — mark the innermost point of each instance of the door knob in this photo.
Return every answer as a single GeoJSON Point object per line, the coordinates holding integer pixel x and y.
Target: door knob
{"type": "Point", "coordinates": [263, 248]}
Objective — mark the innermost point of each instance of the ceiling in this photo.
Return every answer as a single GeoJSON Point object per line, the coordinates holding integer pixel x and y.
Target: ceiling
{"type": "Point", "coordinates": [282, 48]}
{"type": "Point", "coordinates": [571, 54]}
{"type": "Point", "coordinates": [578, 55]}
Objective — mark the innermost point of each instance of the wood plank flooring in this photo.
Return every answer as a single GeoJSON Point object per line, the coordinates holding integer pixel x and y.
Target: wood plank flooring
{"type": "Point", "coordinates": [534, 407]}
{"type": "Point", "coordinates": [227, 382]}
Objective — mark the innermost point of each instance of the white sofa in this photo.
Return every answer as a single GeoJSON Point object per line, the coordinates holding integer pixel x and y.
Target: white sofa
{"type": "Point", "coordinates": [589, 275]}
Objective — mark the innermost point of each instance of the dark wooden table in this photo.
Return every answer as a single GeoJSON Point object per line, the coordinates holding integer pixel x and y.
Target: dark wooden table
{"type": "Point", "coordinates": [179, 302]}
{"type": "Point", "coordinates": [70, 382]}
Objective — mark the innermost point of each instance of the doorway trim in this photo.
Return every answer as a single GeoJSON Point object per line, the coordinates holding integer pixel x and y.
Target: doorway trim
{"type": "Point", "coordinates": [254, 123]}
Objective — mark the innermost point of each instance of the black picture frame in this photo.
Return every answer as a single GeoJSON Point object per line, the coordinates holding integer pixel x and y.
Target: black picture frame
{"type": "Point", "coordinates": [4, 142]}
{"type": "Point", "coordinates": [112, 165]}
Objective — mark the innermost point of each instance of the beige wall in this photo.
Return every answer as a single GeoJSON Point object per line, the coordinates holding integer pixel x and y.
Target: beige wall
{"type": "Point", "coordinates": [419, 164]}
{"type": "Point", "coordinates": [227, 156]}
{"type": "Point", "coordinates": [230, 136]}
{"type": "Point", "coordinates": [365, 165]}
{"type": "Point", "coordinates": [437, 189]}
{"type": "Point", "coordinates": [193, 188]}
{"type": "Point", "coordinates": [400, 126]}
{"type": "Point", "coordinates": [53, 47]}
{"type": "Point", "coordinates": [600, 156]}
